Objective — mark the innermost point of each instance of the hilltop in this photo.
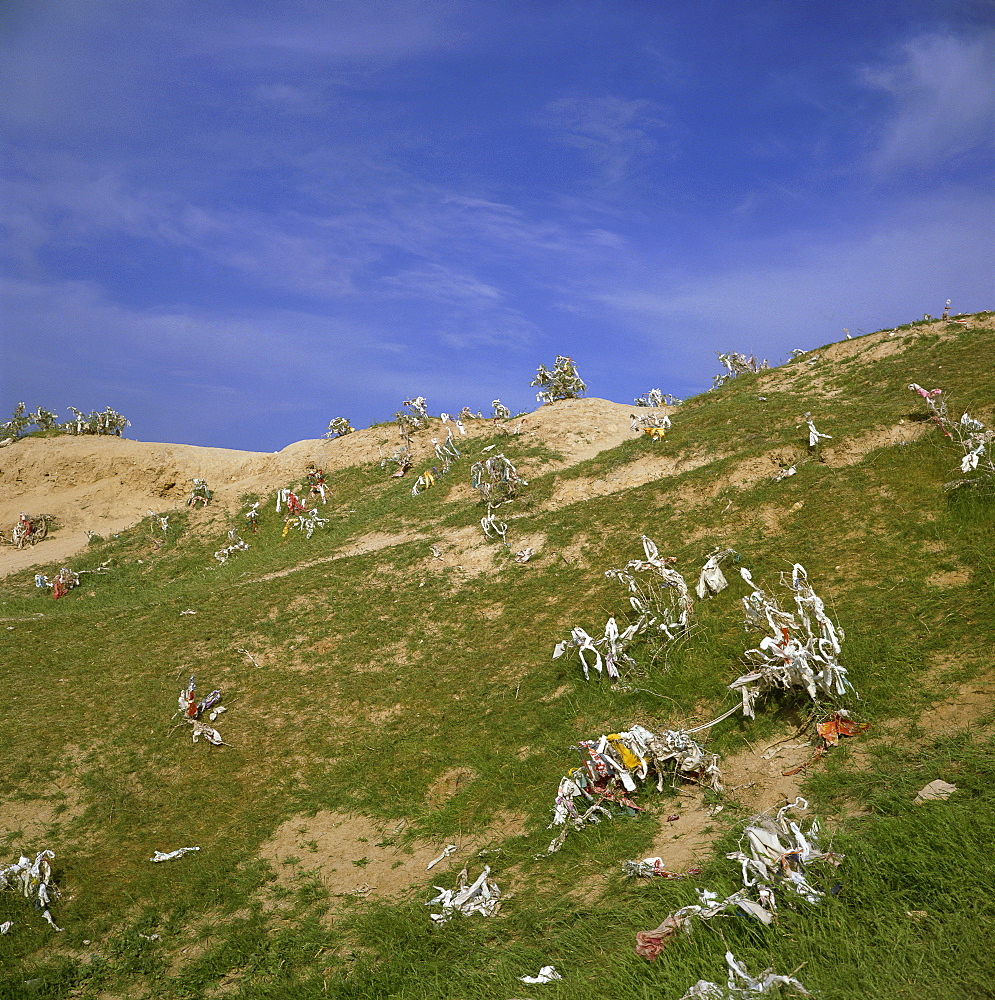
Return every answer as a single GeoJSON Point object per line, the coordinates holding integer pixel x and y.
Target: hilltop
{"type": "Point", "coordinates": [391, 690]}
{"type": "Point", "coordinates": [108, 484]}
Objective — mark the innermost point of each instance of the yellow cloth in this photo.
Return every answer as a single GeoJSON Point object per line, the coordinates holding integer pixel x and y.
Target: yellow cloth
{"type": "Point", "coordinates": [622, 753]}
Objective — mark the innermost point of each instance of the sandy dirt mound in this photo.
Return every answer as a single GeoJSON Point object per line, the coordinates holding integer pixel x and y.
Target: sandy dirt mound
{"type": "Point", "coordinates": [107, 484]}
{"type": "Point", "coordinates": [581, 428]}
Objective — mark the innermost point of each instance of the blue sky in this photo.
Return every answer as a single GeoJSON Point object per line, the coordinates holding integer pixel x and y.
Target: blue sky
{"type": "Point", "coordinates": [234, 221]}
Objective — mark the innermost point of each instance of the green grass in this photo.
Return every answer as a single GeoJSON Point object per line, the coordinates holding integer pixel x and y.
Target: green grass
{"type": "Point", "coordinates": [458, 671]}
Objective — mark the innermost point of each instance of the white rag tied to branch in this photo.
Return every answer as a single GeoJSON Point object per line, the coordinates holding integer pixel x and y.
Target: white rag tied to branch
{"type": "Point", "coordinates": [33, 880]}
{"type": "Point", "coordinates": [666, 609]}
{"type": "Point", "coordinates": [801, 648]}
{"type": "Point", "coordinates": [612, 767]}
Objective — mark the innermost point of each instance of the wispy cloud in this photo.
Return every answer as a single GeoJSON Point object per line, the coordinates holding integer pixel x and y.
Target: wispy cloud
{"type": "Point", "coordinates": [289, 98]}
{"type": "Point", "coordinates": [341, 195]}
{"type": "Point", "coordinates": [906, 265]}
{"type": "Point", "coordinates": [610, 131]}
{"type": "Point", "coordinates": [942, 92]}
{"type": "Point", "coordinates": [346, 31]}
{"type": "Point", "coordinates": [441, 284]}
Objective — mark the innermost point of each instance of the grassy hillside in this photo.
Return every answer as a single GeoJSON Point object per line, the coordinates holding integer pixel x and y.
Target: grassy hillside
{"type": "Point", "coordinates": [384, 702]}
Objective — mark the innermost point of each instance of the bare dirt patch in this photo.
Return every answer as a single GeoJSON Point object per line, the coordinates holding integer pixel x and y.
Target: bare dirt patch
{"type": "Point", "coordinates": [636, 473]}
{"type": "Point", "coordinates": [375, 541]}
{"type": "Point", "coordinates": [850, 451]}
{"type": "Point", "coordinates": [367, 858]}
{"type": "Point", "coordinates": [971, 703]}
{"type": "Point", "coordinates": [950, 578]}
{"type": "Point", "coordinates": [468, 550]}
{"type": "Point", "coordinates": [576, 550]}
{"type": "Point", "coordinates": [558, 693]}
{"type": "Point", "coordinates": [449, 783]}
{"type": "Point", "coordinates": [465, 549]}
{"type": "Point", "coordinates": [25, 823]}
{"type": "Point", "coordinates": [753, 779]}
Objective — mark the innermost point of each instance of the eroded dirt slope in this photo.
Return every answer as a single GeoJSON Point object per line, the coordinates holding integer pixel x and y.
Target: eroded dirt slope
{"type": "Point", "coordinates": [107, 484]}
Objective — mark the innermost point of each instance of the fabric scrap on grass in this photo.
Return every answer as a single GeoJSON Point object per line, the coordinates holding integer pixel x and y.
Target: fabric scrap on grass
{"type": "Point", "coordinates": [656, 867]}
{"type": "Point", "coordinates": [644, 601]}
{"type": "Point", "coordinates": [235, 544]}
{"type": "Point", "coordinates": [172, 855]}
{"type": "Point", "coordinates": [66, 579]}
{"type": "Point", "coordinates": [814, 435]}
{"type": "Point", "coordinates": [547, 974]}
{"type": "Point", "coordinates": [482, 896]}
{"type": "Point", "coordinates": [447, 451]}
{"type": "Point", "coordinates": [451, 848]}
{"type": "Point", "coordinates": [613, 643]}
{"type": "Point", "coordinates": [840, 724]}
{"type": "Point", "coordinates": [304, 521]}
{"type": "Point", "coordinates": [935, 790]}
{"type": "Point", "coordinates": [970, 434]}
{"type": "Point", "coordinates": [663, 605]}
{"type": "Point", "coordinates": [424, 482]}
{"type": "Point", "coordinates": [492, 527]}
{"type": "Point", "coordinates": [401, 458]}
{"type": "Point", "coordinates": [712, 580]}
{"type": "Point", "coordinates": [786, 473]}
{"type": "Point", "coordinates": [778, 852]}
{"type": "Point", "coordinates": [649, 944]}
{"type": "Point", "coordinates": [774, 853]}
{"type": "Point", "coordinates": [33, 880]}
{"type": "Point", "coordinates": [191, 711]}
{"type": "Point", "coordinates": [740, 985]}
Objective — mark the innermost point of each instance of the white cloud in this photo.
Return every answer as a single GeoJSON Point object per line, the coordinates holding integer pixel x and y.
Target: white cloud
{"type": "Point", "coordinates": [346, 30]}
{"type": "Point", "coordinates": [942, 89]}
{"type": "Point", "coordinates": [211, 377]}
{"type": "Point", "coordinates": [441, 284]}
{"type": "Point", "coordinates": [381, 235]}
{"type": "Point", "coordinates": [804, 291]}
{"type": "Point", "coordinates": [289, 99]}
{"type": "Point", "coordinates": [609, 131]}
